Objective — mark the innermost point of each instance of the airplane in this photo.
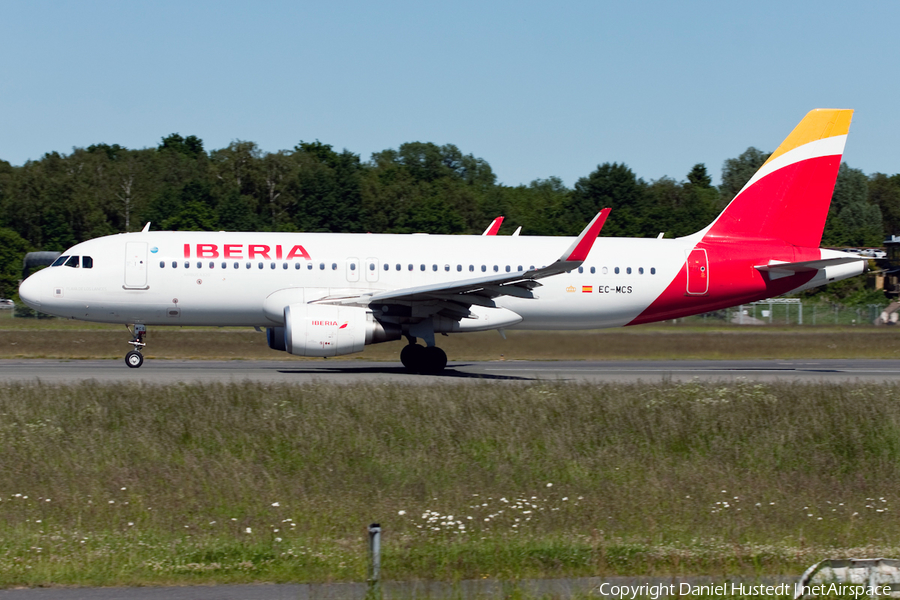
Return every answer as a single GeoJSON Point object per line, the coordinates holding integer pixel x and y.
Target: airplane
{"type": "Point", "coordinates": [330, 294]}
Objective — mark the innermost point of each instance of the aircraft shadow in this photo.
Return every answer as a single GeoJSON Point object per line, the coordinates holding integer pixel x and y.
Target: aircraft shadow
{"type": "Point", "coordinates": [448, 373]}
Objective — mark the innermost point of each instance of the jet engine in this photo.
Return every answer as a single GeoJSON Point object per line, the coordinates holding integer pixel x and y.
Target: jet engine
{"type": "Point", "coordinates": [329, 330]}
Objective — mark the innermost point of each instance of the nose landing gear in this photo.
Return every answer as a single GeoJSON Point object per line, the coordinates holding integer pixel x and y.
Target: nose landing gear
{"type": "Point", "coordinates": [135, 359]}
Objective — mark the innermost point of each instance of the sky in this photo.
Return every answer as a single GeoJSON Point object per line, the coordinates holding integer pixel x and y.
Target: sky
{"type": "Point", "coordinates": [537, 89]}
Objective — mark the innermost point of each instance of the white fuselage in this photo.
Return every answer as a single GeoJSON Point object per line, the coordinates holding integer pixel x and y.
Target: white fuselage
{"type": "Point", "coordinates": [224, 279]}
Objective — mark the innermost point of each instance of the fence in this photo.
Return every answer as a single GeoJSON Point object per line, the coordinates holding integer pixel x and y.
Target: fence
{"type": "Point", "coordinates": [788, 311]}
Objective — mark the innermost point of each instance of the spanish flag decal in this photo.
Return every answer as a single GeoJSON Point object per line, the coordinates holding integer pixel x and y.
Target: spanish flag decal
{"type": "Point", "coordinates": [587, 289]}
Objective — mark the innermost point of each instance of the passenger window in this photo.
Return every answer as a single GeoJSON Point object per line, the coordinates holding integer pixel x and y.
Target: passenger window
{"type": "Point", "coordinates": [483, 268]}
{"type": "Point", "coordinates": [60, 261]}
{"type": "Point", "coordinates": [88, 263]}
{"type": "Point", "coordinates": [593, 270]}
{"type": "Point", "coordinates": [496, 268]}
{"type": "Point", "coordinates": [653, 270]}
{"type": "Point", "coordinates": [421, 267]}
{"type": "Point", "coordinates": [309, 266]}
{"type": "Point", "coordinates": [410, 267]}
{"type": "Point", "coordinates": [640, 270]}
{"type": "Point", "coordinates": [260, 265]}
{"type": "Point", "coordinates": [271, 265]}
{"type": "Point", "coordinates": [237, 265]}
{"type": "Point", "coordinates": [371, 266]}
{"type": "Point", "coordinates": [446, 267]}
{"type": "Point", "coordinates": [174, 264]}
{"type": "Point", "coordinates": [321, 266]}
{"type": "Point", "coordinates": [162, 264]}
{"type": "Point", "coordinates": [199, 265]}
{"type": "Point", "coordinates": [617, 270]}
{"type": "Point", "coordinates": [434, 267]}
{"type": "Point", "coordinates": [581, 269]}
{"type": "Point", "coordinates": [212, 265]}
{"type": "Point", "coordinates": [471, 268]}
{"type": "Point", "coordinates": [520, 268]}
{"type": "Point", "coordinates": [334, 266]}
{"type": "Point", "coordinates": [296, 266]}
{"type": "Point", "coordinates": [72, 262]}
{"type": "Point", "coordinates": [604, 270]}
{"type": "Point", "coordinates": [187, 264]}
{"type": "Point", "coordinates": [507, 268]}
{"type": "Point", "coordinates": [628, 270]}
{"type": "Point", "coordinates": [459, 268]}
{"type": "Point", "coordinates": [531, 267]}
{"type": "Point", "coordinates": [352, 266]}
{"type": "Point", "coordinates": [247, 265]}
{"type": "Point", "coordinates": [283, 265]}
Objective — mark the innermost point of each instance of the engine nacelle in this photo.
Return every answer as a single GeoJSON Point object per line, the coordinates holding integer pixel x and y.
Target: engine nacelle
{"type": "Point", "coordinates": [329, 330]}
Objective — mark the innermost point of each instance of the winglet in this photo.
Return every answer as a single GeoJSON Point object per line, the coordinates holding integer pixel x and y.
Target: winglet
{"type": "Point", "coordinates": [494, 227]}
{"type": "Point", "coordinates": [581, 247]}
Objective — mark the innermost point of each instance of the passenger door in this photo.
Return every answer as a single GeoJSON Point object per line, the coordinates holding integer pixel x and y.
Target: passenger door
{"type": "Point", "coordinates": [136, 266]}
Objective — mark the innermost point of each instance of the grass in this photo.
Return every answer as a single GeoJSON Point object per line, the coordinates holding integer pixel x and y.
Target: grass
{"type": "Point", "coordinates": [138, 484]}
{"type": "Point", "coordinates": [71, 340]}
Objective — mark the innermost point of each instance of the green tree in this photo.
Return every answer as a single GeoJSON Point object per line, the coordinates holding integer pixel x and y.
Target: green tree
{"type": "Point", "coordinates": [852, 220]}
{"type": "Point", "coordinates": [611, 185]}
{"type": "Point", "coordinates": [736, 172]}
{"type": "Point", "coordinates": [12, 251]}
{"type": "Point", "coordinates": [884, 192]}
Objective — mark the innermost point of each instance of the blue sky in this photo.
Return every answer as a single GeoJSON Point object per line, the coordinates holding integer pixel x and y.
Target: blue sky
{"type": "Point", "coordinates": [535, 88]}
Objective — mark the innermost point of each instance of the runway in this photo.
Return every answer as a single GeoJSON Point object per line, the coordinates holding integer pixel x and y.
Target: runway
{"type": "Point", "coordinates": [356, 371]}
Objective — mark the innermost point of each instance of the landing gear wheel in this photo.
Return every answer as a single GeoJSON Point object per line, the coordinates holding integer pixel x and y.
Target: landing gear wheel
{"type": "Point", "coordinates": [433, 360]}
{"type": "Point", "coordinates": [134, 359]}
{"type": "Point", "coordinates": [411, 357]}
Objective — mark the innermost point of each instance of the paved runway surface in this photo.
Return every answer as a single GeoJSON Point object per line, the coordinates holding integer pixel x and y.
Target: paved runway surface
{"type": "Point", "coordinates": [354, 371]}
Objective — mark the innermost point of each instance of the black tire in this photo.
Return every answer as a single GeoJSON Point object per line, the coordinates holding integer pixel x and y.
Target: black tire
{"type": "Point", "coordinates": [411, 357]}
{"type": "Point", "coordinates": [134, 359]}
{"type": "Point", "coordinates": [434, 360]}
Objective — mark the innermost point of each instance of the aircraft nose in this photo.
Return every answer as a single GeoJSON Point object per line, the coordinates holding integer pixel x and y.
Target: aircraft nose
{"type": "Point", "coordinates": [30, 292]}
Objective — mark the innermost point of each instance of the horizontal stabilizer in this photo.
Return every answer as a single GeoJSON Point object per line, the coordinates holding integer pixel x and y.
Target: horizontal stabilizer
{"type": "Point", "coordinates": [777, 269]}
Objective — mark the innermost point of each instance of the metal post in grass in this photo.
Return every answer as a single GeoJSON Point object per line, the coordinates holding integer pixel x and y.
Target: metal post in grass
{"type": "Point", "coordinates": [374, 562]}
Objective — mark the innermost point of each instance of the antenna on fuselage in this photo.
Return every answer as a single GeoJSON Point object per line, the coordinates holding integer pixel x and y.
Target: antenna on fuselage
{"type": "Point", "coordinates": [146, 228]}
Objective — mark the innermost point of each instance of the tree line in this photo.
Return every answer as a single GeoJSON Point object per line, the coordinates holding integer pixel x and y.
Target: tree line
{"type": "Point", "coordinates": [62, 199]}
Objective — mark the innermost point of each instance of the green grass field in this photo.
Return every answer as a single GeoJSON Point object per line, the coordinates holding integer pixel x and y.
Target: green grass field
{"type": "Point", "coordinates": [59, 338]}
{"type": "Point", "coordinates": [141, 484]}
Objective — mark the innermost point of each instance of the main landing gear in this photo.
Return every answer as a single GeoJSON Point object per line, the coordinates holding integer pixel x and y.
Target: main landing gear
{"type": "Point", "coordinates": [135, 359]}
{"type": "Point", "coordinates": [428, 360]}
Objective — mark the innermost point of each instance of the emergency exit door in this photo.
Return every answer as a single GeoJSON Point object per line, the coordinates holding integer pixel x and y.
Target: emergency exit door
{"type": "Point", "coordinates": [697, 272]}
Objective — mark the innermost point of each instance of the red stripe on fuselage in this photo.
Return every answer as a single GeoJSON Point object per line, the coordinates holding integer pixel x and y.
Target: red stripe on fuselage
{"type": "Point", "coordinates": [733, 279]}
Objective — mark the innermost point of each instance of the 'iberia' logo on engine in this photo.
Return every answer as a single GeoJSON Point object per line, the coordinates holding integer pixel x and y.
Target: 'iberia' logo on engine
{"type": "Point", "coordinates": [328, 324]}
{"type": "Point", "coordinates": [344, 325]}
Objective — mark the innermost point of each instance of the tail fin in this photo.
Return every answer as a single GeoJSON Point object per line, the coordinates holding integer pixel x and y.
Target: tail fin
{"type": "Point", "coordinates": [788, 198]}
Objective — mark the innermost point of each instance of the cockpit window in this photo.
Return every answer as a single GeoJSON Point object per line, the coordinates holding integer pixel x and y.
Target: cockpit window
{"type": "Point", "coordinates": [87, 262]}
{"type": "Point", "coordinates": [72, 262]}
{"type": "Point", "coordinates": [59, 261]}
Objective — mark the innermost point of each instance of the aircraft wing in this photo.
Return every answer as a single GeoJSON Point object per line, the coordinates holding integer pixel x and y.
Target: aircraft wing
{"type": "Point", "coordinates": [482, 290]}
